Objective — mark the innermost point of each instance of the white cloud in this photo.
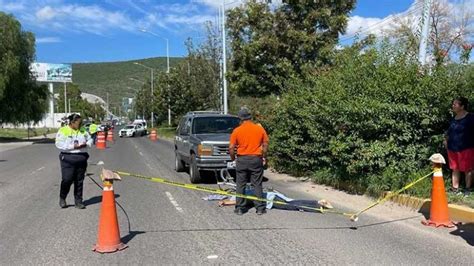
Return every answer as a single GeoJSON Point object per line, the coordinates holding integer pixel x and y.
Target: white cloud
{"type": "Point", "coordinates": [12, 7]}
{"type": "Point", "coordinates": [45, 13]}
{"type": "Point", "coordinates": [48, 40]}
{"type": "Point", "coordinates": [362, 26]}
{"type": "Point", "coordinates": [77, 18]}
{"type": "Point", "coordinates": [357, 24]}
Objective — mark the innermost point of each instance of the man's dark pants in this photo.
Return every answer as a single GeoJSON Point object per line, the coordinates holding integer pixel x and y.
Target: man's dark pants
{"type": "Point", "coordinates": [73, 170]}
{"type": "Point", "coordinates": [249, 168]}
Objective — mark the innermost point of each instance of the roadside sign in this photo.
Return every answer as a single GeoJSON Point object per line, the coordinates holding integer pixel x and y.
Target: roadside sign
{"type": "Point", "coordinates": [52, 72]}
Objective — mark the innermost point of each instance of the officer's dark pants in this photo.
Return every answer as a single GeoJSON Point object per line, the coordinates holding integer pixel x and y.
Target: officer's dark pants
{"type": "Point", "coordinates": [249, 168]}
{"type": "Point", "coordinates": [94, 137]}
{"type": "Point", "coordinates": [73, 170]}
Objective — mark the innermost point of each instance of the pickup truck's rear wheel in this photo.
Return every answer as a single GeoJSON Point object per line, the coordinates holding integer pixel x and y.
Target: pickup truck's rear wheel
{"type": "Point", "coordinates": [178, 163]}
{"type": "Point", "coordinates": [194, 173]}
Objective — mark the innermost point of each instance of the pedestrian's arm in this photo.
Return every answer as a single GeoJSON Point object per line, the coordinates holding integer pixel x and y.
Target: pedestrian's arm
{"type": "Point", "coordinates": [232, 144]}
{"type": "Point", "coordinates": [232, 151]}
{"type": "Point", "coordinates": [264, 144]}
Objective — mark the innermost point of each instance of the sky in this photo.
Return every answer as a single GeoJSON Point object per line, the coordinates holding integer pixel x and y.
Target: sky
{"type": "Point", "coordinates": [73, 31]}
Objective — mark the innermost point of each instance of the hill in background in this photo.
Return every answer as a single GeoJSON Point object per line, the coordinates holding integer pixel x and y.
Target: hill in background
{"type": "Point", "coordinates": [114, 77]}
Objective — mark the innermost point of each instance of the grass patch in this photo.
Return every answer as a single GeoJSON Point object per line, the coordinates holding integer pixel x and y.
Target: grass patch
{"type": "Point", "coordinates": [21, 133]}
{"type": "Point", "coordinates": [166, 132]}
{"type": "Point", "coordinates": [421, 190]}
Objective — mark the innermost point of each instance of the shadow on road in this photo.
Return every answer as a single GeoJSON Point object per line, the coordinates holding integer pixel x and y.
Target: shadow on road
{"type": "Point", "coordinates": [41, 140]}
{"type": "Point", "coordinates": [96, 199]}
{"type": "Point", "coordinates": [276, 228]}
{"type": "Point", "coordinates": [466, 231]}
{"type": "Point", "coordinates": [131, 235]}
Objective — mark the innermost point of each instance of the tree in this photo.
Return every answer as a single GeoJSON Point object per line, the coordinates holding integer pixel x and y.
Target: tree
{"type": "Point", "coordinates": [192, 84]}
{"type": "Point", "coordinates": [21, 100]}
{"type": "Point", "coordinates": [371, 120]}
{"type": "Point", "coordinates": [271, 46]}
{"type": "Point", "coordinates": [451, 29]}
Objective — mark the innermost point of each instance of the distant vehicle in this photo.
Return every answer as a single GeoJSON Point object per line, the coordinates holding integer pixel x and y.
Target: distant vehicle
{"type": "Point", "coordinates": [202, 142]}
{"type": "Point", "coordinates": [132, 131]}
{"type": "Point", "coordinates": [141, 121]}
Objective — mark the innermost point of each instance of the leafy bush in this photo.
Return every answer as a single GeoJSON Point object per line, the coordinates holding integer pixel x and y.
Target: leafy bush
{"type": "Point", "coordinates": [368, 123]}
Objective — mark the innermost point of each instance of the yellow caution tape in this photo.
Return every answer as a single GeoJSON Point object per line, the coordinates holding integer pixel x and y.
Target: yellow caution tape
{"type": "Point", "coordinates": [388, 196]}
{"type": "Point", "coordinates": [353, 217]}
{"type": "Point", "coordinates": [223, 192]}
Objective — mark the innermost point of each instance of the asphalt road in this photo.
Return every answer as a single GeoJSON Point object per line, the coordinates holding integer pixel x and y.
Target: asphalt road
{"type": "Point", "coordinates": [168, 225]}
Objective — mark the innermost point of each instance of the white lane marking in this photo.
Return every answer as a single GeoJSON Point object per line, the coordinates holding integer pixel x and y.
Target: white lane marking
{"type": "Point", "coordinates": [175, 204]}
{"type": "Point", "coordinates": [37, 170]}
{"type": "Point", "coordinates": [136, 147]}
{"type": "Point", "coordinates": [212, 257]}
{"type": "Point", "coordinates": [140, 153]}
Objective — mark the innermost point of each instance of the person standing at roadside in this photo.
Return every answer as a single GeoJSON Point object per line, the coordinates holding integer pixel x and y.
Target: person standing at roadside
{"type": "Point", "coordinates": [73, 141]}
{"type": "Point", "coordinates": [93, 131]}
{"type": "Point", "coordinates": [251, 141]}
{"type": "Point", "coordinates": [459, 141]}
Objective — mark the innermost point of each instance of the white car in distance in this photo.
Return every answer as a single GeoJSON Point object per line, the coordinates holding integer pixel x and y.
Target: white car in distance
{"type": "Point", "coordinates": [132, 131]}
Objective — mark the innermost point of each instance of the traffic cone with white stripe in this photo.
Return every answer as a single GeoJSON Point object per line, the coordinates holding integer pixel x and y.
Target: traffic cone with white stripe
{"type": "Point", "coordinates": [439, 211]}
{"type": "Point", "coordinates": [108, 239]}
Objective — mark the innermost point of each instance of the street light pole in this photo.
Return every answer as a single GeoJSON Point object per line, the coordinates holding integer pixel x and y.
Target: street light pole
{"type": "Point", "coordinates": [168, 73]}
{"type": "Point", "coordinates": [152, 92]}
{"type": "Point", "coordinates": [224, 59]}
{"type": "Point", "coordinates": [152, 97]}
{"type": "Point", "coordinates": [167, 66]}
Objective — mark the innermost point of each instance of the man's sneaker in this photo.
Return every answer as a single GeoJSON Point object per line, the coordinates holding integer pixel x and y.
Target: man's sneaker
{"type": "Point", "coordinates": [456, 191]}
{"type": "Point", "coordinates": [239, 211]}
{"type": "Point", "coordinates": [261, 211]}
{"type": "Point", "coordinates": [467, 192]}
{"type": "Point", "coordinates": [62, 203]}
{"type": "Point", "coordinates": [80, 205]}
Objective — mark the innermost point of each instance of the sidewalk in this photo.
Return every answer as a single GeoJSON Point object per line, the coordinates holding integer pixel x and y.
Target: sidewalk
{"type": "Point", "coordinates": [15, 144]}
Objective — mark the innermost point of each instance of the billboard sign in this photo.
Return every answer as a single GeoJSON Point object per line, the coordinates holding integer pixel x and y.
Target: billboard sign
{"type": "Point", "coordinates": [52, 72]}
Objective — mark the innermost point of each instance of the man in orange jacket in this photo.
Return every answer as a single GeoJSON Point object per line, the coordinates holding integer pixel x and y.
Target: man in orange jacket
{"type": "Point", "coordinates": [251, 141]}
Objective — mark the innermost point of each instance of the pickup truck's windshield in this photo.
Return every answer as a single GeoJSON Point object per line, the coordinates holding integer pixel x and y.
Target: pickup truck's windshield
{"type": "Point", "coordinates": [129, 127]}
{"type": "Point", "coordinates": [214, 125]}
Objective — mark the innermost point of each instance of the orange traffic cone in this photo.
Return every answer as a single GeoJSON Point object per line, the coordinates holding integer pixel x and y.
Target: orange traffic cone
{"type": "Point", "coordinates": [100, 142]}
{"type": "Point", "coordinates": [153, 135]}
{"type": "Point", "coordinates": [110, 135]}
{"type": "Point", "coordinates": [439, 212]}
{"type": "Point", "coordinates": [108, 239]}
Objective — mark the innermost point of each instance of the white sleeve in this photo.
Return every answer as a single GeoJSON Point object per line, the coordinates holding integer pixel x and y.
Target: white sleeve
{"type": "Point", "coordinates": [62, 142]}
{"type": "Point", "coordinates": [89, 140]}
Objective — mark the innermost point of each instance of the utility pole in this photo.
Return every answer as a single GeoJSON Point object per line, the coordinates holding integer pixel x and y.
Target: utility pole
{"type": "Point", "coordinates": [424, 31]}
{"type": "Point", "coordinates": [65, 99]}
{"type": "Point", "coordinates": [168, 73]}
{"type": "Point", "coordinates": [224, 63]}
{"type": "Point", "coordinates": [107, 105]}
{"type": "Point", "coordinates": [152, 97]}
{"type": "Point", "coordinates": [69, 105]}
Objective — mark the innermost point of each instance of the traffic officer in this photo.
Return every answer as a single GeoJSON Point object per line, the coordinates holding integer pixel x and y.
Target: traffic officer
{"type": "Point", "coordinates": [93, 131]}
{"type": "Point", "coordinates": [73, 141]}
{"type": "Point", "coordinates": [251, 141]}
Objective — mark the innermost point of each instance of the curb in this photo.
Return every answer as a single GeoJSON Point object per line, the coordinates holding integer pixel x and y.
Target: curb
{"type": "Point", "coordinates": [456, 212]}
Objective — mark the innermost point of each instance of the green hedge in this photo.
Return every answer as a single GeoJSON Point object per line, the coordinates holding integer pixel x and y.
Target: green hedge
{"type": "Point", "coordinates": [369, 123]}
